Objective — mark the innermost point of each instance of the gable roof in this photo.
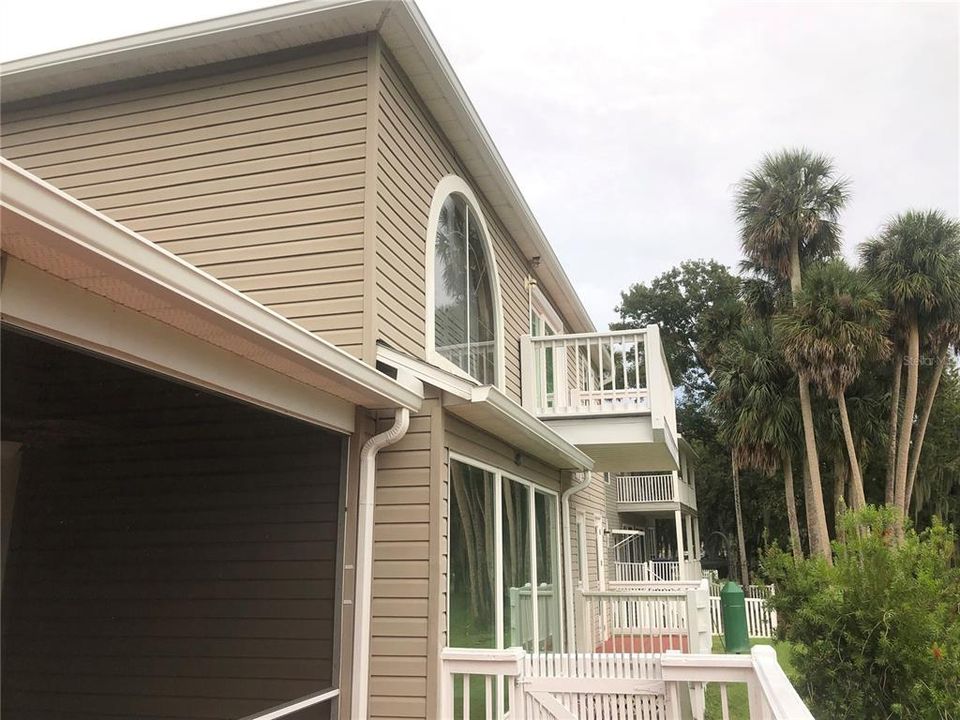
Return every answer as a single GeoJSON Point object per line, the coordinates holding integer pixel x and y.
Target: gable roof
{"type": "Point", "coordinates": [404, 31]}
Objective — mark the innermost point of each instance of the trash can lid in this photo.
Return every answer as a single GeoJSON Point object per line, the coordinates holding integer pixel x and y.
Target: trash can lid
{"type": "Point", "coordinates": [731, 588]}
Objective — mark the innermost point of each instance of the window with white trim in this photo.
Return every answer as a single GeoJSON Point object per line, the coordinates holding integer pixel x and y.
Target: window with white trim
{"type": "Point", "coordinates": [464, 317]}
{"type": "Point", "coordinates": [465, 326]}
{"type": "Point", "coordinates": [504, 563]}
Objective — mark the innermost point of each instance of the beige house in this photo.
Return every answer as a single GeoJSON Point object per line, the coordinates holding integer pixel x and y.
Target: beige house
{"type": "Point", "coordinates": [297, 399]}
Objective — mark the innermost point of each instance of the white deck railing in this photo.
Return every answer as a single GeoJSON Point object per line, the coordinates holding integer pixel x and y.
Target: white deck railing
{"type": "Point", "coordinates": [646, 488]}
{"type": "Point", "coordinates": [656, 571]}
{"type": "Point", "coordinates": [621, 372]}
{"type": "Point", "coordinates": [647, 619]}
{"type": "Point", "coordinates": [489, 684]}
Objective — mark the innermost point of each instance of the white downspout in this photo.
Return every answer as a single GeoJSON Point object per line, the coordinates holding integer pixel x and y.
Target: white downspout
{"type": "Point", "coordinates": [567, 553]}
{"type": "Point", "coordinates": [364, 585]}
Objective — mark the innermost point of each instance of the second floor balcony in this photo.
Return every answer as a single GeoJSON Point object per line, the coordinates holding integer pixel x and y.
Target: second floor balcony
{"type": "Point", "coordinates": [608, 393]}
{"type": "Point", "coordinates": [649, 491]}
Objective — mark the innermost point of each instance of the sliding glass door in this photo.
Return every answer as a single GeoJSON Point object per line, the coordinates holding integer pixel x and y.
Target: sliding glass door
{"type": "Point", "coordinates": [504, 561]}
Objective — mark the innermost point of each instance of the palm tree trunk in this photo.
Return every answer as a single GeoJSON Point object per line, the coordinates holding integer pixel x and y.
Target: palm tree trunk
{"type": "Point", "coordinates": [816, 513]}
{"type": "Point", "coordinates": [741, 543]}
{"type": "Point", "coordinates": [791, 499]}
{"type": "Point", "coordinates": [459, 492]}
{"type": "Point", "coordinates": [512, 540]}
{"type": "Point", "coordinates": [928, 400]}
{"type": "Point", "coordinates": [909, 408]}
{"type": "Point", "coordinates": [857, 498]}
{"type": "Point", "coordinates": [819, 536]}
{"type": "Point", "coordinates": [890, 494]}
{"type": "Point", "coordinates": [841, 472]}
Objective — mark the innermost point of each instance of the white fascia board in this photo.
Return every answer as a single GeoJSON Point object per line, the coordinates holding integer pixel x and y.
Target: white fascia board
{"type": "Point", "coordinates": [45, 305]}
{"type": "Point", "coordinates": [425, 372]}
{"type": "Point", "coordinates": [529, 428]}
{"type": "Point", "coordinates": [132, 255]}
{"type": "Point", "coordinates": [488, 408]}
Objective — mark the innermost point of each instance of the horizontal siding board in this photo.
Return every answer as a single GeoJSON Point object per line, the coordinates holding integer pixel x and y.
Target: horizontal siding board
{"type": "Point", "coordinates": [262, 178]}
{"type": "Point", "coordinates": [221, 81]}
{"type": "Point", "coordinates": [269, 103]}
{"type": "Point", "coordinates": [232, 169]}
{"type": "Point", "coordinates": [351, 106]}
{"type": "Point", "coordinates": [296, 146]}
{"type": "Point", "coordinates": [253, 173]}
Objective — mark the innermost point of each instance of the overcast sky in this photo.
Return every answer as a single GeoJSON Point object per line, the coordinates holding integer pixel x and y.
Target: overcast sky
{"type": "Point", "coordinates": [626, 124]}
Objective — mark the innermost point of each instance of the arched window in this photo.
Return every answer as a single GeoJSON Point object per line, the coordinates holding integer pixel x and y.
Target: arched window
{"type": "Point", "coordinates": [463, 312]}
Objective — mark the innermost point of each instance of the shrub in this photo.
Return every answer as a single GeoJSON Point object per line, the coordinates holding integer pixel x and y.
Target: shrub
{"type": "Point", "coordinates": [877, 634]}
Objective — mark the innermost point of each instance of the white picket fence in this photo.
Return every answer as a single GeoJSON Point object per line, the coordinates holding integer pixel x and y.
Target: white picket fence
{"type": "Point", "coordinates": [761, 619]}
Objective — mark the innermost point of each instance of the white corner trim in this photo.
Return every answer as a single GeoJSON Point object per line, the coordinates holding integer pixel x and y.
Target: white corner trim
{"type": "Point", "coordinates": [448, 185]}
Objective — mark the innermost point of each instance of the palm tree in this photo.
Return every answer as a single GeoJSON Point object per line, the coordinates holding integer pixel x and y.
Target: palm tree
{"type": "Point", "coordinates": [916, 261]}
{"type": "Point", "coordinates": [836, 325]}
{"type": "Point", "coordinates": [757, 411]}
{"type": "Point", "coordinates": [788, 209]}
{"type": "Point", "coordinates": [944, 336]}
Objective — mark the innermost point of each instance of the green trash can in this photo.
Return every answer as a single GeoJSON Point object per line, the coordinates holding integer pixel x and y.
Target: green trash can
{"type": "Point", "coordinates": [733, 608]}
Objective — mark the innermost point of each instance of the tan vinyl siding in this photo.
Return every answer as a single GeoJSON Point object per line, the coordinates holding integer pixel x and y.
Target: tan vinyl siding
{"type": "Point", "coordinates": [403, 574]}
{"type": "Point", "coordinates": [593, 503]}
{"type": "Point", "coordinates": [412, 157]}
{"type": "Point", "coordinates": [253, 172]}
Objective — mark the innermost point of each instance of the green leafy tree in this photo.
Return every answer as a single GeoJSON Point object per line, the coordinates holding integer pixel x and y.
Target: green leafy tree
{"type": "Point", "coordinates": [788, 210]}
{"type": "Point", "coordinates": [695, 305]}
{"type": "Point", "coordinates": [836, 326]}
{"type": "Point", "coordinates": [877, 635]}
{"type": "Point", "coordinates": [915, 260]}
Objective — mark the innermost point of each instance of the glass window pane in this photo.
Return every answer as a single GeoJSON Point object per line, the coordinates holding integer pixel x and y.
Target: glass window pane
{"type": "Point", "coordinates": [518, 629]}
{"type": "Point", "coordinates": [450, 283]}
{"type": "Point", "coordinates": [472, 622]}
{"type": "Point", "coordinates": [480, 302]}
{"type": "Point", "coordinates": [548, 571]}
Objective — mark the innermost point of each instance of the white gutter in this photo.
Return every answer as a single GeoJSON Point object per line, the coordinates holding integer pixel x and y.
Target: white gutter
{"type": "Point", "coordinates": [567, 552]}
{"type": "Point", "coordinates": [364, 563]}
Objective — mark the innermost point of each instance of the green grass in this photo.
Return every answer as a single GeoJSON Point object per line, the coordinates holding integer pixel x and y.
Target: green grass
{"type": "Point", "coordinates": [737, 694]}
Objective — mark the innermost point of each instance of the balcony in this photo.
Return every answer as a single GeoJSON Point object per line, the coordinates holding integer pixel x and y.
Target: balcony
{"type": "Point", "coordinates": [610, 394]}
{"type": "Point", "coordinates": [654, 492]}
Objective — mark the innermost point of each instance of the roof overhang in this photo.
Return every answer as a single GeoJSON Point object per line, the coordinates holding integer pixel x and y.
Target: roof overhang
{"type": "Point", "coordinates": [489, 409]}
{"type": "Point", "coordinates": [296, 24]}
{"type": "Point", "coordinates": [90, 255]}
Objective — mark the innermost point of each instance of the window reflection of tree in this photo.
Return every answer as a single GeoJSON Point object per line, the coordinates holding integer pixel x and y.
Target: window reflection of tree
{"type": "Point", "coordinates": [465, 326]}
{"type": "Point", "coordinates": [473, 552]}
